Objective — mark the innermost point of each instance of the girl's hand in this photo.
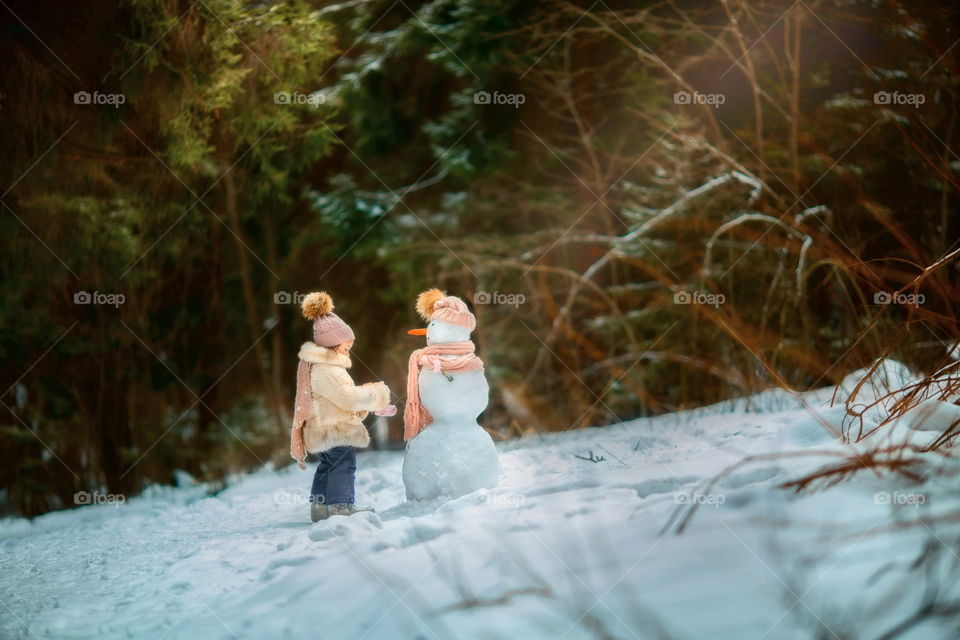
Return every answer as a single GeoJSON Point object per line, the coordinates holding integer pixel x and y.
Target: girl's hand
{"type": "Point", "coordinates": [387, 411]}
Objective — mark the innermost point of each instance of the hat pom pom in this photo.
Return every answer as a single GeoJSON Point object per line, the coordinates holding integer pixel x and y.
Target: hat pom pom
{"type": "Point", "coordinates": [316, 304]}
{"type": "Point", "coordinates": [426, 300]}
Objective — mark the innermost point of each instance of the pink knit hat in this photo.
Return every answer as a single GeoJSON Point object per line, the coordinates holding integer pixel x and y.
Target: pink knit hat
{"type": "Point", "coordinates": [434, 304]}
{"type": "Point", "coordinates": [328, 329]}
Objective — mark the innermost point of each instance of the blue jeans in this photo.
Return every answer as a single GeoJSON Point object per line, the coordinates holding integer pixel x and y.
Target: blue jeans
{"type": "Point", "coordinates": [333, 480]}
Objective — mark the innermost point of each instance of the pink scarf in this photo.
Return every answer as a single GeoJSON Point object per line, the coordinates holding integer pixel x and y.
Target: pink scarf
{"type": "Point", "coordinates": [415, 416]}
{"type": "Point", "coordinates": [302, 410]}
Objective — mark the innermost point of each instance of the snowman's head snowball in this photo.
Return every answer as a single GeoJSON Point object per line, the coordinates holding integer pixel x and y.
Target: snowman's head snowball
{"type": "Point", "coordinates": [439, 332]}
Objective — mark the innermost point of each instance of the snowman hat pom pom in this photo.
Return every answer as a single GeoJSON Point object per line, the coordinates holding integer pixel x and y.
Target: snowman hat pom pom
{"type": "Point", "coordinates": [316, 304]}
{"type": "Point", "coordinates": [426, 300]}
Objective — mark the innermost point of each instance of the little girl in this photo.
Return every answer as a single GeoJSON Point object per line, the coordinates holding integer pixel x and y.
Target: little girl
{"type": "Point", "coordinates": [329, 410]}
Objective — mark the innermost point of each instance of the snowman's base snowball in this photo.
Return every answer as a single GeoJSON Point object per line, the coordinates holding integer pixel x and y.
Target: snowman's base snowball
{"type": "Point", "coordinates": [450, 460]}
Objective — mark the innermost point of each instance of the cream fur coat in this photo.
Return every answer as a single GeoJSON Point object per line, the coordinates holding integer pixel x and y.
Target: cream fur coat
{"type": "Point", "coordinates": [339, 406]}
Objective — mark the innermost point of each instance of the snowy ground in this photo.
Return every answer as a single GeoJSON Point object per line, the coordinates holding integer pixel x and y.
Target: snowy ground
{"type": "Point", "coordinates": [564, 548]}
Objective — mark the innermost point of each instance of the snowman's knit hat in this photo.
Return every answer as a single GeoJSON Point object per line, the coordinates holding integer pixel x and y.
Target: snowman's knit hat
{"type": "Point", "coordinates": [434, 304]}
{"type": "Point", "coordinates": [328, 329]}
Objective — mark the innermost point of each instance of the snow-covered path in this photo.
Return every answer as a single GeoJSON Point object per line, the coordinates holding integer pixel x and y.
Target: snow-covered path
{"type": "Point", "coordinates": [565, 547]}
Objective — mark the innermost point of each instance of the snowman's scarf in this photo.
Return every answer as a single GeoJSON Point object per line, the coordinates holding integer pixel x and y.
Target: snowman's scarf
{"type": "Point", "coordinates": [415, 416]}
{"type": "Point", "coordinates": [302, 409]}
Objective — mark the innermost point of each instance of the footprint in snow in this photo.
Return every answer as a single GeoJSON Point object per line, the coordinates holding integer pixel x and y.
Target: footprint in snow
{"type": "Point", "coordinates": [179, 587]}
{"type": "Point", "coordinates": [295, 561]}
{"type": "Point", "coordinates": [279, 563]}
{"type": "Point", "coordinates": [422, 532]}
{"type": "Point", "coordinates": [345, 526]}
{"type": "Point", "coordinates": [740, 480]}
{"type": "Point", "coordinates": [655, 486]}
{"type": "Point", "coordinates": [326, 530]}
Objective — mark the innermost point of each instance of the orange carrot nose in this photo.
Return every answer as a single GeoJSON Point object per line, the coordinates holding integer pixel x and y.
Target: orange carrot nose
{"type": "Point", "coordinates": [417, 332]}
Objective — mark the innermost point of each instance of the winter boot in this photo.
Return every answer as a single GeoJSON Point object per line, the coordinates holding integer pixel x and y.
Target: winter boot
{"type": "Point", "coordinates": [319, 511]}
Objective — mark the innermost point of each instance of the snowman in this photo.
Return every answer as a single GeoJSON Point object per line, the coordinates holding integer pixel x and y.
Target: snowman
{"type": "Point", "coordinates": [448, 453]}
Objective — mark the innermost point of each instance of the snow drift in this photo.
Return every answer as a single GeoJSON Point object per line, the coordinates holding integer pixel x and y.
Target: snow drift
{"type": "Point", "coordinates": [577, 541]}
